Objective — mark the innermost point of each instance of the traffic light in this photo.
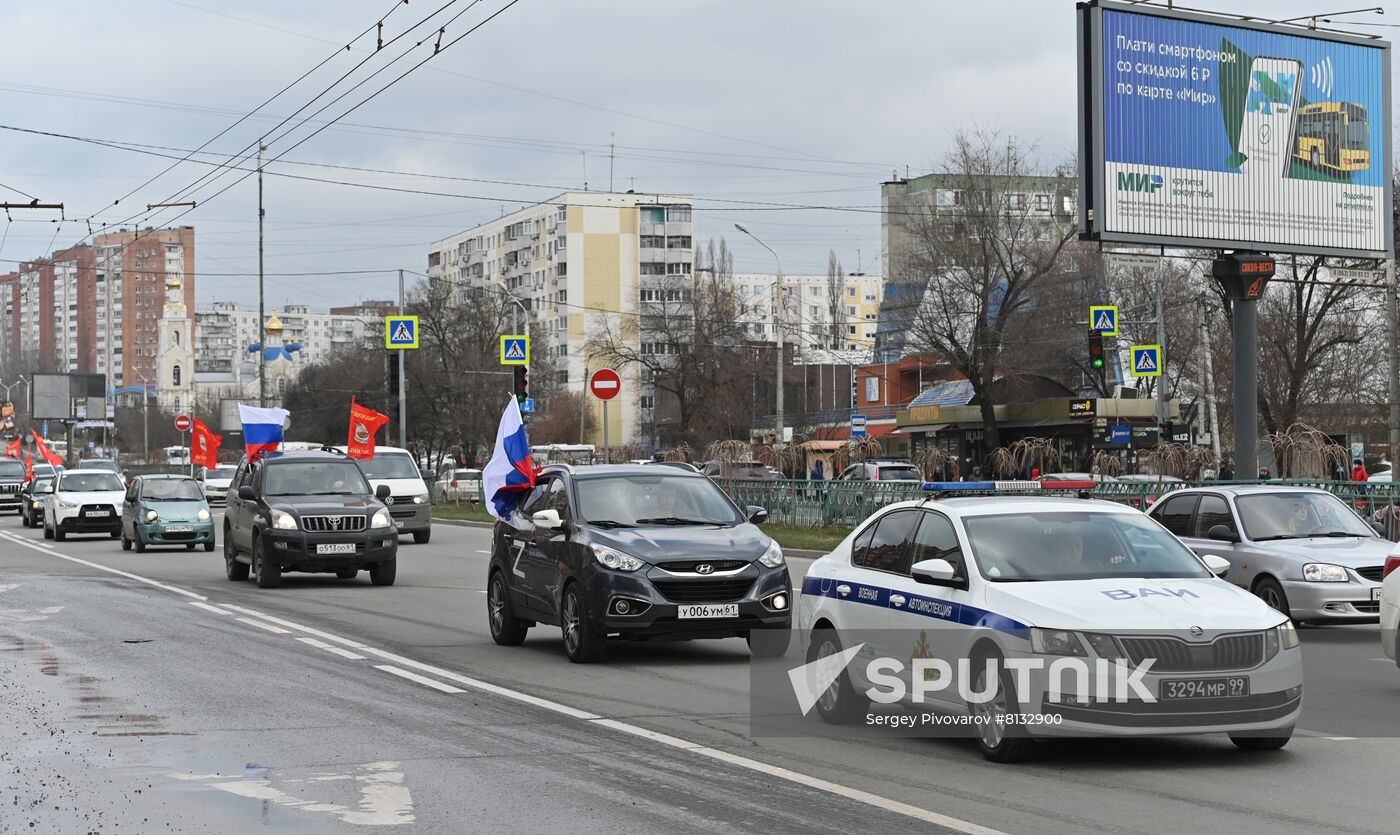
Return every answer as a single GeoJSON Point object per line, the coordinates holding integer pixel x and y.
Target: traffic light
{"type": "Point", "coordinates": [392, 357]}
{"type": "Point", "coordinates": [1096, 359]}
{"type": "Point", "coordinates": [522, 383]}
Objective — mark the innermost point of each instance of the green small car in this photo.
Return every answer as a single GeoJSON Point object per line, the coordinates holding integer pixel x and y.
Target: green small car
{"type": "Point", "coordinates": [166, 510]}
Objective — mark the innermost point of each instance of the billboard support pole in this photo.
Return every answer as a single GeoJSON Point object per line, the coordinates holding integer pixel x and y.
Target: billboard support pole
{"type": "Point", "coordinates": [1246, 315]}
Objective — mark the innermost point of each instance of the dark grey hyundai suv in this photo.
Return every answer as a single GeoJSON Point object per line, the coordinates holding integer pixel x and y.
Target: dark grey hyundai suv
{"type": "Point", "coordinates": [638, 552]}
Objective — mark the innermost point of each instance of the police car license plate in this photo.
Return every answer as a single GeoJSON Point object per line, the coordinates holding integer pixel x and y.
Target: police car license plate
{"type": "Point", "coordinates": [708, 610]}
{"type": "Point", "coordinates": [1376, 593]}
{"type": "Point", "coordinates": [96, 513]}
{"type": "Point", "coordinates": [1180, 689]}
{"type": "Point", "coordinates": [336, 548]}
{"type": "Point", "coordinates": [179, 528]}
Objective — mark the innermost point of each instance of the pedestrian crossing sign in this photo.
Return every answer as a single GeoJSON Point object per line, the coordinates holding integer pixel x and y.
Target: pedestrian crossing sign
{"type": "Point", "coordinates": [1147, 361]}
{"type": "Point", "coordinates": [515, 350]}
{"type": "Point", "coordinates": [400, 331]}
{"type": "Point", "coordinates": [1104, 319]}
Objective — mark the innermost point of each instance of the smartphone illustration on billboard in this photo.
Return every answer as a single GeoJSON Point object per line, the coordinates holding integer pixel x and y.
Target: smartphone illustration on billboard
{"type": "Point", "coordinates": [1271, 110]}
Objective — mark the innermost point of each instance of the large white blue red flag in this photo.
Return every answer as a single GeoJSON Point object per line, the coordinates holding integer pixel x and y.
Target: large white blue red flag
{"type": "Point", "coordinates": [262, 429]}
{"type": "Point", "coordinates": [510, 474]}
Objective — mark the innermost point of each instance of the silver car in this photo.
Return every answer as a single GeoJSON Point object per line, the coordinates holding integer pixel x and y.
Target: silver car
{"type": "Point", "coordinates": [1303, 551]}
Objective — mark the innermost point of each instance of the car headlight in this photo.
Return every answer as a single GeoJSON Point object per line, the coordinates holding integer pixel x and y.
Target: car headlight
{"type": "Point", "coordinates": [420, 499]}
{"type": "Point", "coordinates": [1055, 642]}
{"type": "Point", "coordinates": [1321, 572]}
{"type": "Point", "coordinates": [1105, 646]}
{"type": "Point", "coordinates": [202, 515]}
{"type": "Point", "coordinates": [381, 519]}
{"type": "Point", "coordinates": [36, 505]}
{"type": "Point", "coordinates": [616, 560]}
{"type": "Point", "coordinates": [63, 505]}
{"type": "Point", "coordinates": [152, 516]}
{"type": "Point", "coordinates": [283, 521]}
{"type": "Point", "coordinates": [773, 557]}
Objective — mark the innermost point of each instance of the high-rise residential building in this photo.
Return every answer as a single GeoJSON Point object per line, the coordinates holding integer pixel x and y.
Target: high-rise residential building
{"type": "Point", "coordinates": [575, 263]}
{"type": "Point", "coordinates": [826, 319]}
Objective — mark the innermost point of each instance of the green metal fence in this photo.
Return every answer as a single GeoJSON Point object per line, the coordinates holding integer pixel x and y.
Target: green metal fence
{"type": "Point", "coordinates": [846, 504]}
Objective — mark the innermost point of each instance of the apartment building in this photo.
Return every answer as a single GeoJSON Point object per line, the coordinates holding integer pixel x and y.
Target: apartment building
{"type": "Point", "coordinates": [577, 263]}
{"type": "Point", "coordinates": [826, 320]}
{"type": "Point", "coordinates": [223, 332]}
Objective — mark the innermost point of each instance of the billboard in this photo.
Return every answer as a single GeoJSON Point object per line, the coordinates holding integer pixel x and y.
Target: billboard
{"type": "Point", "coordinates": [50, 397]}
{"type": "Point", "coordinates": [1202, 131]}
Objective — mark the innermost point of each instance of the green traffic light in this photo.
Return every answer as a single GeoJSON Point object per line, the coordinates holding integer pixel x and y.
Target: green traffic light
{"type": "Point", "coordinates": [1097, 362]}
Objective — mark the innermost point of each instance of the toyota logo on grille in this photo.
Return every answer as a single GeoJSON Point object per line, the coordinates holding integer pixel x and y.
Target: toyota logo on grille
{"type": "Point", "coordinates": [337, 521]}
{"type": "Point", "coordinates": [704, 568]}
{"type": "Point", "coordinates": [1197, 632]}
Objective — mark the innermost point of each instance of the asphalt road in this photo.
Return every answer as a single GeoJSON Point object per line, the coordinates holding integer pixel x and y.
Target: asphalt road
{"type": "Point", "coordinates": [241, 707]}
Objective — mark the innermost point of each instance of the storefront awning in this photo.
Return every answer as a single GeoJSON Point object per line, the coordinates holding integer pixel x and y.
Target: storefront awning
{"type": "Point", "coordinates": [927, 428]}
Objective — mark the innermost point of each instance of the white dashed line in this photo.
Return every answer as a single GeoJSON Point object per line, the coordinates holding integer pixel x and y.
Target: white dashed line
{"type": "Point", "coordinates": [483, 552]}
{"type": "Point", "coordinates": [423, 680]}
{"type": "Point", "coordinates": [215, 609]}
{"type": "Point", "coordinates": [343, 653]}
{"type": "Point", "coordinates": [276, 630]}
{"type": "Point", "coordinates": [48, 550]}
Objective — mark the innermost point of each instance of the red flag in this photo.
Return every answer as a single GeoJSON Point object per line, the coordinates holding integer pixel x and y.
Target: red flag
{"type": "Point", "coordinates": [28, 467]}
{"type": "Point", "coordinates": [204, 445]}
{"type": "Point", "coordinates": [364, 424]}
{"type": "Point", "coordinates": [54, 459]}
{"type": "Point", "coordinates": [13, 448]}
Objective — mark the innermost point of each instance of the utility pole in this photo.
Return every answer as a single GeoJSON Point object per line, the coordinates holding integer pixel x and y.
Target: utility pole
{"type": "Point", "coordinates": [777, 328]}
{"type": "Point", "coordinates": [262, 312]}
{"type": "Point", "coordinates": [1392, 297]}
{"type": "Point", "coordinates": [1208, 384]}
{"type": "Point", "coordinates": [403, 383]}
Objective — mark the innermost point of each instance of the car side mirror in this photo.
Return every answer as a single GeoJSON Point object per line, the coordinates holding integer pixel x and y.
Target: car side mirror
{"type": "Point", "coordinates": [1222, 533]}
{"type": "Point", "coordinates": [246, 493]}
{"type": "Point", "coordinates": [756, 514]}
{"type": "Point", "coordinates": [381, 492]}
{"type": "Point", "coordinates": [547, 519]}
{"type": "Point", "coordinates": [1217, 565]}
{"type": "Point", "coordinates": [938, 572]}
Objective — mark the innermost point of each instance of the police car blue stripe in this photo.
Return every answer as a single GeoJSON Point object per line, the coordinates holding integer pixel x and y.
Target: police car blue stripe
{"type": "Point", "coordinates": [930, 607]}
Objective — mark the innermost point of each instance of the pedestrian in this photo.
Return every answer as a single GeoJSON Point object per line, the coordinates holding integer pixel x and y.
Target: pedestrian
{"type": "Point", "coordinates": [1358, 471]}
{"type": "Point", "coordinates": [976, 473]}
{"type": "Point", "coordinates": [1263, 473]}
{"type": "Point", "coordinates": [1227, 472]}
{"type": "Point", "coordinates": [818, 470]}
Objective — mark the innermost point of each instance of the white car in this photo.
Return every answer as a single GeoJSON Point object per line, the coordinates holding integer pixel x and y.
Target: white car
{"type": "Point", "coordinates": [1390, 606]}
{"type": "Point", "coordinates": [995, 585]}
{"type": "Point", "coordinates": [215, 482]}
{"type": "Point", "coordinates": [84, 501]}
{"type": "Point", "coordinates": [408, 500]}
{"type": "Point", "coordinates": [462, 484]}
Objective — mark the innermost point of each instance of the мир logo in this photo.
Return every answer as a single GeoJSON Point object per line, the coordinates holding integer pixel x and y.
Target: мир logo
{"type": "Point", "coordinates": [1130, 181]}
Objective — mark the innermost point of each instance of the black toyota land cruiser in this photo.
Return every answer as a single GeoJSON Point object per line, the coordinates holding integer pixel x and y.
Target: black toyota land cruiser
{"type": "Point", "coordinates": [307, 511]}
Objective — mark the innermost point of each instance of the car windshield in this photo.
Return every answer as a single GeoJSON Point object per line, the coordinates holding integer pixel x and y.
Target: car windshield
{"type": "Point", "coordinates": [12, 469]}
{"type": "Point", "coordinates": [220, 474]}
{"type": "Point", "coordinates": [314, 478]}
{"type": "Point", "coordinates": [41, 485]}
{"type": "Point", "coordinates": [172, 490]}
{"type": "Point", "coordinates": [899, 474]}
{"type": "Point", "coordinates": [100, 464]}
{"type": "Point", "coordinates": [1268, 516]}
{"type": "Point", "coordinates": [1076, 545]}
{"type": "Point", "coordinates": [655, 500]}
{"type": "Point", "coordinates": [386, 465]}
{"type": "Point", "coordinates": [90, 483]}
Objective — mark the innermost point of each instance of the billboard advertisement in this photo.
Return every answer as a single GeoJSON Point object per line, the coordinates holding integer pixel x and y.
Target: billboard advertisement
{"type": "Point", "coordinates": [1198, 130]}
{"type": "Point", "coordinates": [50, 397]}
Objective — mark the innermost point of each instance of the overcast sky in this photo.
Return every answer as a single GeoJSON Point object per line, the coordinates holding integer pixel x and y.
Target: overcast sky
{"type": "Point", "coordinates": [792, 102]}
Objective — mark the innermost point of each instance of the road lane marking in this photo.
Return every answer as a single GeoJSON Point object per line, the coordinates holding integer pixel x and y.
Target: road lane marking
{"type": "Point", "coordinates": [276, 630]}
{"type": "Point", "coordinates": [483, 552]}
{"type": "Point", "coordinates": [209, 608]}
{"type": "Point", "coordinates": [33, 547]}
{"type": "Point", "coordinates": [423, 680]}
{"type": "Point", "coordinates": [343, 653]}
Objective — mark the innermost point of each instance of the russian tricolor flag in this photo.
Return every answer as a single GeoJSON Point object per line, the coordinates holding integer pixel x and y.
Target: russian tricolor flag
{"type": "Point", "coordinates": [262, 429]}
{"type": "Point", "coordinates": [510, 474]}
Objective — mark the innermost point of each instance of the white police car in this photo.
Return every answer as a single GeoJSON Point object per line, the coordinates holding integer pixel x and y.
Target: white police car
{"type": "Point", "coordinates": [1095, 621]}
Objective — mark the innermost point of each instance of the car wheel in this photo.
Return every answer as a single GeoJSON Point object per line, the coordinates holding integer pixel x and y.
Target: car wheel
{"type": "Point", "coordinates": [268, 573]}
{"type": "Point", "coordinates": [422, 537]}
{"type": "Point", "coordinates": [48, 532]}
{"type": "Point", "coordinates": [189, 546]}
{"type": "Point", "coordinates": [347, 573]}
{"type": "Point", "coordinates": [506, 628]}
{"type": "Point", "coordinates": [998, 739]}
{"type": "Point", "coordinates": [209, 546]}
{"type": "Point", "coordinates": [116, 533]}
{"type": "Point", "coordinates": [140, 543]}
{"type": "Point", "coordinates": [1262, 743]}
{"type": "Point", "coordinates": [58, 534]}
{"type": "Point", "coordinates": [1269, 591]}
{"type": "Point", "coordinates": [768, 643]}
{"type": "Point", "coordinates": [126, 541]}
{"type": "Point", "coordinates": [234, 569]}
{"type": "Point", "coordinates": [383, 573]}
{"type": "Point", "coordinates": [840, 703]}
{"type": "Point", "coordinates": [582, 643]}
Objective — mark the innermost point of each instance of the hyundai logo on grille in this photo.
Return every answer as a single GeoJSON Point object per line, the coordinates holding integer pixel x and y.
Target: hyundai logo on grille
{"type": "Point", "coordinates": [704, 568]}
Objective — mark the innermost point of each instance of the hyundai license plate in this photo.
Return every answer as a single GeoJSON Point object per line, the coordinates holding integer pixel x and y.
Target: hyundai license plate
{"type": "Point", "coordinates": [179, 528]}
{"type": "Point", "coordinates": [708, 610]}
{"type": "Point", "coordinates": [1181, 689]}
{"type": "Point", "coordinates": [96, 514]}
{"type": "Point", "coordinates": [336, 548]}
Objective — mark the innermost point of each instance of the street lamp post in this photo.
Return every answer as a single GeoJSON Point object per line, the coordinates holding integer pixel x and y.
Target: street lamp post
{"type": "Point", "coordinates": [777, 326]}
{"type": "Point", "coordinates": [145, 416]}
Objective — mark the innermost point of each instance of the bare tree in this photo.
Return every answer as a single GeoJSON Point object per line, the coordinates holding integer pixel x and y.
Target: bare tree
{"type": "Point", "coordinates": [836, 301]}
{"type": "Point", "coordinates": [976, 253]}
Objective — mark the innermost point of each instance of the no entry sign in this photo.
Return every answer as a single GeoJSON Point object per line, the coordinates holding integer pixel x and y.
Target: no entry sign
{"type": "Point", "coordinates": [182, 423]}
{"type": "Point", "coordinates": [605, 384]}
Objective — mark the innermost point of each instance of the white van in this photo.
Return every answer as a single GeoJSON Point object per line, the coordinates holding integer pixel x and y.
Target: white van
{"type": "Point", "coordinates": [408, 499]}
